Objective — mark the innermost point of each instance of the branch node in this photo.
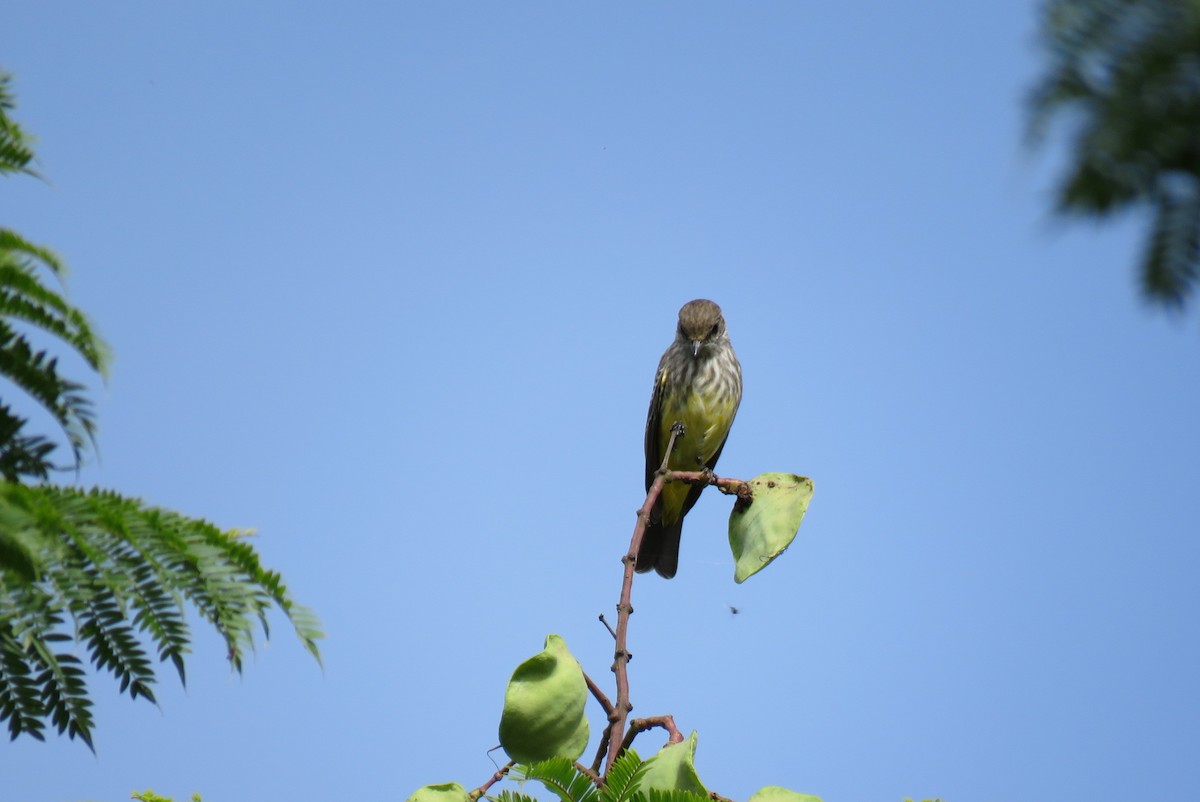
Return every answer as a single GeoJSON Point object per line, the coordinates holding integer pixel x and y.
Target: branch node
{"type": "Point", "coordinates": [495, 778]}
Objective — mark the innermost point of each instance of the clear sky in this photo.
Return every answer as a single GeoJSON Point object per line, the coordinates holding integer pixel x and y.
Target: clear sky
{"type": "Point", "coordinates": [389, 284]}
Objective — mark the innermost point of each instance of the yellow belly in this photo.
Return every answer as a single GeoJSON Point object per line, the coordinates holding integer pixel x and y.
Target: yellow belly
{"type": "Point", "coordinates": [706, 423]}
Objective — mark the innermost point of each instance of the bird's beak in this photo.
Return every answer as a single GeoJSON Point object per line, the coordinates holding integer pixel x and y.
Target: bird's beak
{"type": "Point", "coordinates": [696, 347]}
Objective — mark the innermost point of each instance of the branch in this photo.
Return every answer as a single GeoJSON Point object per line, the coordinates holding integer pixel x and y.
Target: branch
{"type": "Point", "coordinates": [611, 741]}
{"type": "Point", "coordinates": [621, 710]}
{"type": "Point", "coordinates": [495, 778]}
{"type": "Point", "coordinates": [730, 487]}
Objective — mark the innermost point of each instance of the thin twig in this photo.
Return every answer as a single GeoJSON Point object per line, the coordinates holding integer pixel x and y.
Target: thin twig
{"type": "Point", "coordinates": [603, 749]}
{"type": "Point", "coordinates": [625, 605]}
{"type": "Point", "coordinates": [674, 736]}
{"type": "Point", "coordinates": [599, 694]}
{"type": "Point", "coordinates": [495, 778]}
{"type": "Point", "coordinates": [607, 704]}
{"type": "Point", "coordinates": [604, 621]}
{"type": "Point", "coordinates": [596, 779]}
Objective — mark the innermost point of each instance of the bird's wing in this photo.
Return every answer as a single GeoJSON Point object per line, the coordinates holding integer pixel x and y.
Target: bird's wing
{"type": "Point", "coordinates": [654, 426]}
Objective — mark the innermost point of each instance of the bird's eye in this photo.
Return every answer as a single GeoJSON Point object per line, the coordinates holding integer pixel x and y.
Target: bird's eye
{"type": "Point", "coordinates": [713, 333]}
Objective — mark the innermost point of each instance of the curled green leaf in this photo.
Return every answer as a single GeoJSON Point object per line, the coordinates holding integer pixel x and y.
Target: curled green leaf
{"type": "Point", "coordinates": [674, 768]}
{"type": "Point", "coordinates": [543, 707]}
{"type": "Point", "coordinates": [773, 793]}
{"type": "Point", "coordinates": [761, 531]}
{"type": "Point", "coordinates": [446, 792]}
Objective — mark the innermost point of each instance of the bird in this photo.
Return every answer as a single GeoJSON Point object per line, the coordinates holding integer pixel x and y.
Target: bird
{"type": "Point", "coordinates": [698, 385]}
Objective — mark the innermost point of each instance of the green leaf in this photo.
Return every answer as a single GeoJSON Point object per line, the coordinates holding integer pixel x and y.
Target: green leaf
{"type": "Point", "coordinates": [761, 530]}
{"type": "Point", "coordinates": [543, 707]}
{"type": "Point", "coordinates": [446, 792]}
{"type": "Point", "coordinates": [674, 768]}
{"type": "Point", "coordinates": [773, 793]}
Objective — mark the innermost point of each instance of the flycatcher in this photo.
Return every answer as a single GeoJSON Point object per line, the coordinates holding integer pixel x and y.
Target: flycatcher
{"type": "Point", "coordinates": [699, 385]}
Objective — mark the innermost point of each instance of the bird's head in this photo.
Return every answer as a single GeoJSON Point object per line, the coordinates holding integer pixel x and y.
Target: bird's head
{"type": "Point", "coordinates": [700, 323]}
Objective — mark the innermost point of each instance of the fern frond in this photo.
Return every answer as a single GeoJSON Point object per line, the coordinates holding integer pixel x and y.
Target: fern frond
{"type": "Point", "coordinates": [20, 454]}
{"type": "Point", "coordinates": [15, 150]}
{"type": "Point", "coordinates": [64, 694]}
{"type": "Point", "coordinates": [94, 570]}
{"type": "Point", "coordinates": [160, 615]}
{"type": "Point", "coordinates": [23, 296]}
{"type": "Point", "coordinates": [559, 776]}
{"type": "Point", "coordinates": [20, 704]}
{"type": "Point", "coordinates": [1171, 265]}
{"type": "Point", "coordinates": [36, 373]}
{"type": "Point", "coordinates": [123, 573]}
{"type": "Point", "coordinates": [509, 795]}
{"type": "Point", "coordinates": [13, 247]}
{"type": "Point", "coordinates": [110, 639]}
{"type": "Point", "coordinates": [675, 795]}
{"type": "Point", "coordinates": [624, 777]}
{"type": "Point", "coordinates": [1126, 75]}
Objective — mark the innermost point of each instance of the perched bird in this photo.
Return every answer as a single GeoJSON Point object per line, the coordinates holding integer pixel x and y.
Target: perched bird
{"type": "Point", "coordinates": [699, 385]}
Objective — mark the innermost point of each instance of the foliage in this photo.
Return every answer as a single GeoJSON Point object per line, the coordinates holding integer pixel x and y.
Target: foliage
{"type": "Point", "coordinates": [108, 568]}
{"type": "Point", "coordinates": [623, 783]}
{"type": "Point", "coordinates": [624, 778]}
{"type": "Point", "coordinates": [108, 575]}
{"type": "Point", "coordinates": [25, 300]}
{"type": "Point", "coordinates": [507, 795]}
{"type": "Point", "coordinates": [1127, 74]}
{"type": "Point", "coordinates": [16, 151]}
{"type": "Point", "coordinates": [150, 796]}
{"type": "Point", "coordinates": [560, 777]}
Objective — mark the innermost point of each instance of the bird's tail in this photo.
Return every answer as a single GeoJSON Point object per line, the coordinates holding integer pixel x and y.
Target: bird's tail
{"type": "Point", "coordinates": [660, 549]}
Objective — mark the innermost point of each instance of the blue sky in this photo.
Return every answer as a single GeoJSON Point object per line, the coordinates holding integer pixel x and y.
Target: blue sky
{"type": "Point", "coordinates": [389, 284]}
